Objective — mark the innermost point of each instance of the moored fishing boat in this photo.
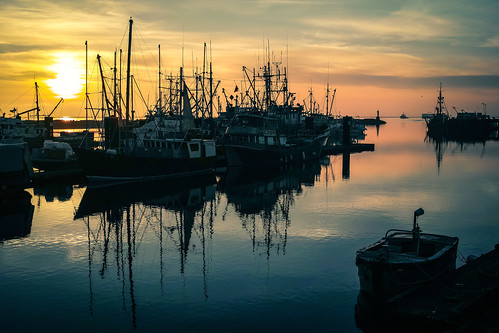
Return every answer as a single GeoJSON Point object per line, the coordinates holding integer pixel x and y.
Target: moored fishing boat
{"type": "Point", "coordinates": [403, 259]}
{"type": "Point", "coordinates": [154, 150]}
{"type": "Point", "coordinates": [256, 139]}
{"type": "Point", "coordinates": [475, 126]}
{"type": "Point", "coordinates": [158, 159]}
{"type": "Point", "coordinates": [266, 127]}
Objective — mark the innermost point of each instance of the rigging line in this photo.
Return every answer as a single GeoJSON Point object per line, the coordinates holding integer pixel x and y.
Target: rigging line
{"type": "Point", "coordinates": [125, 34]}
{"type": "Point", "coordinates": [29, 90]}
{"type": "Point", "coordinates": [143, 56]}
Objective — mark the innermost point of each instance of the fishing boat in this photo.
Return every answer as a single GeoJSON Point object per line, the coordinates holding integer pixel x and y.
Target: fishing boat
{"type": "Point", "coordinates": [267, 127]}
{"type": "Point", "coordinates": [256, 139]}
{"type": "Point", "coordinates": [403, 116]}
{"type": "Point", "coordinates": [475, 126]}
{"type": "Point", "coordinates": [34, 132]}
{"type": "Point", "coordinates": [151, 151]}
{"type": "Point", "coordinates": [164, 147]}
{"type": "Point", "coordinates": [154, 150]}
{"type": "Point", "coordinates": [403, 259]}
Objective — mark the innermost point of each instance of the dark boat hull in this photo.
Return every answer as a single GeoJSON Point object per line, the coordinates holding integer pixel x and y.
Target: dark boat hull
{"type": "Point", "coordinates": [247, 154]}
{"type": "Point", "coordinates": [478, 129]}
{"type": "Point", "coordinates": [100, 165]}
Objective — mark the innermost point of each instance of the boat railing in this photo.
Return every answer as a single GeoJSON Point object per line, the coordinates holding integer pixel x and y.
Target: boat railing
{"type": "Point", "coordinates": [397, 231]}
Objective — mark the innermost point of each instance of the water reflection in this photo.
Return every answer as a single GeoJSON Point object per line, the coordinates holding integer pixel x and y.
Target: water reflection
{"type": "Point", "coordinates": [444, 146]}
{"type": "Point", "coordinates": [122, 219]}
{"type": "Point", "coordinates": [16, 215]}
{"type": "Point", "coordinates": [167, 229]}
{"type": "Point", "coordinates": [56, 190]}
{"type": "Point", "coordinates": [262, 198]}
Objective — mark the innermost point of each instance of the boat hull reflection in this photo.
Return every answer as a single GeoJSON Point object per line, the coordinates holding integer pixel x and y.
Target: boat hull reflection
{"type": "Point", "coordinates": [263, 197]}
{"type": "Point", "coordinates": [16, 215]}
{"type": "Point", "coordinates": [99, 199]}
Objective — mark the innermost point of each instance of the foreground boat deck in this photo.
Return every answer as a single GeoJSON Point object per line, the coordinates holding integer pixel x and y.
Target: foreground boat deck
{"type": "Point", "coordinates": [468, 301]}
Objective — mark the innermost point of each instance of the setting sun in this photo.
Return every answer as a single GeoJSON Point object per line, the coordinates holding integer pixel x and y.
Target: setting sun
{"type": "Point", "coordinates": [69, 76]}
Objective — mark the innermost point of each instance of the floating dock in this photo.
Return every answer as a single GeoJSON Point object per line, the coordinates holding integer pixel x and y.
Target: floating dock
{"type": "Point", "coordinates": [352, 148]}
{"type": "Point", "coordinates": [43, 177]}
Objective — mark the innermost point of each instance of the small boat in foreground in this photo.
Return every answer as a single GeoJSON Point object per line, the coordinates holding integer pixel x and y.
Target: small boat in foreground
{"type": "Point", "coordinates": [403, 259]}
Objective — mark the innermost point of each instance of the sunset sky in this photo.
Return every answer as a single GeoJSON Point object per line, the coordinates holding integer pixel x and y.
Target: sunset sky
{"type": "Point", "coordinates": [387, 55]}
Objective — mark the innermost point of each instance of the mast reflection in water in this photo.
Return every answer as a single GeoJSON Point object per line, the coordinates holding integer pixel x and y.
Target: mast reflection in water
{"type": "Point", "coordinates": [266, 194]}
{"type": "Point", "coordinates": [123, 220]}
{"type": "Point", "coordinates": [120, 217]}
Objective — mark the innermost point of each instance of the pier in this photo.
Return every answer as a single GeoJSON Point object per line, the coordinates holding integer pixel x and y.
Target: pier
{"type": "Point", "coordinates": [351, 148]}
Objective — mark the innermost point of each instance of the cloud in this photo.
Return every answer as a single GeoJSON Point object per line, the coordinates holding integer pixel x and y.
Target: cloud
{"type": "Point", "coordinates": [398, 82]}
{"type": "Point", "coordinates": [491, 42]}
{"type": "Point", "coordinates": [402, 25]}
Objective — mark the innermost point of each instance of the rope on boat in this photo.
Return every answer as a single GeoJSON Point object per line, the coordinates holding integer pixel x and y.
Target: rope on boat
{"type": "Point", "coordinates": [461, 257]}
{"type": "Point", "coordinates": [434, 278]}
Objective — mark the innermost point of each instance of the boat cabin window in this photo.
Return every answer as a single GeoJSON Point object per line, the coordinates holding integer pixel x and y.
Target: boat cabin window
{"type": "Point", "coordinates": [194, 146]}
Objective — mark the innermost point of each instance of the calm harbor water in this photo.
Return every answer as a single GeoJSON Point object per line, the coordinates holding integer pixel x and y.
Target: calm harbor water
{"type": "Point", "coordinates": [248, 251]}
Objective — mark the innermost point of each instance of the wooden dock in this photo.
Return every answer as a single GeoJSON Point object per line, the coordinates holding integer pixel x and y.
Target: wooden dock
{"type": "Point", "coordinates": [352, 148]}
{"type": "Point", "coordinates": [64, 175]}
{"type": "Point", "coordinates": [466, 302]}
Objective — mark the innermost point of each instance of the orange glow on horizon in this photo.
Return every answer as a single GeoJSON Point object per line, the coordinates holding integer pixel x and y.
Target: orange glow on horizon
{"type": "Point", "coordinates": [65, 118]}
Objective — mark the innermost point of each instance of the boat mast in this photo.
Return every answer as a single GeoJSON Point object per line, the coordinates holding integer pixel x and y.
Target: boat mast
{"type": "Point", "coordinates": [181, 91]}
{"type": "Point", "coordinates": [211, 84]}
{"type": "Point", "coordinates": [115, 84]}
{"type": "Point", "coordinates": [37, 106]}
{"type": "Point", "coordinates": [120, 88]}
{"type": "Point", "coordinates": [332, 100]}
{"type": "Point", "coordinates": [105, 100]}
{"type": "Point", "coordinates": [327, 93]}
{"type": "Point", "coordinates": [86, 90]}
{"type": "Point", "coordinates": [128, 71]}
{"type": "Point", "coordinates": [204, 105]}
{"type": "Point", "coordinates": [131, 98]}
{"type": "Point", "coordinates": [267, 83]}
{"type": "Point", "coordinates": [440, 100]}
{"type": "Point", "coordinates": [159, 76]}
{"type": "Point", "coordinates": [311, 94]}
